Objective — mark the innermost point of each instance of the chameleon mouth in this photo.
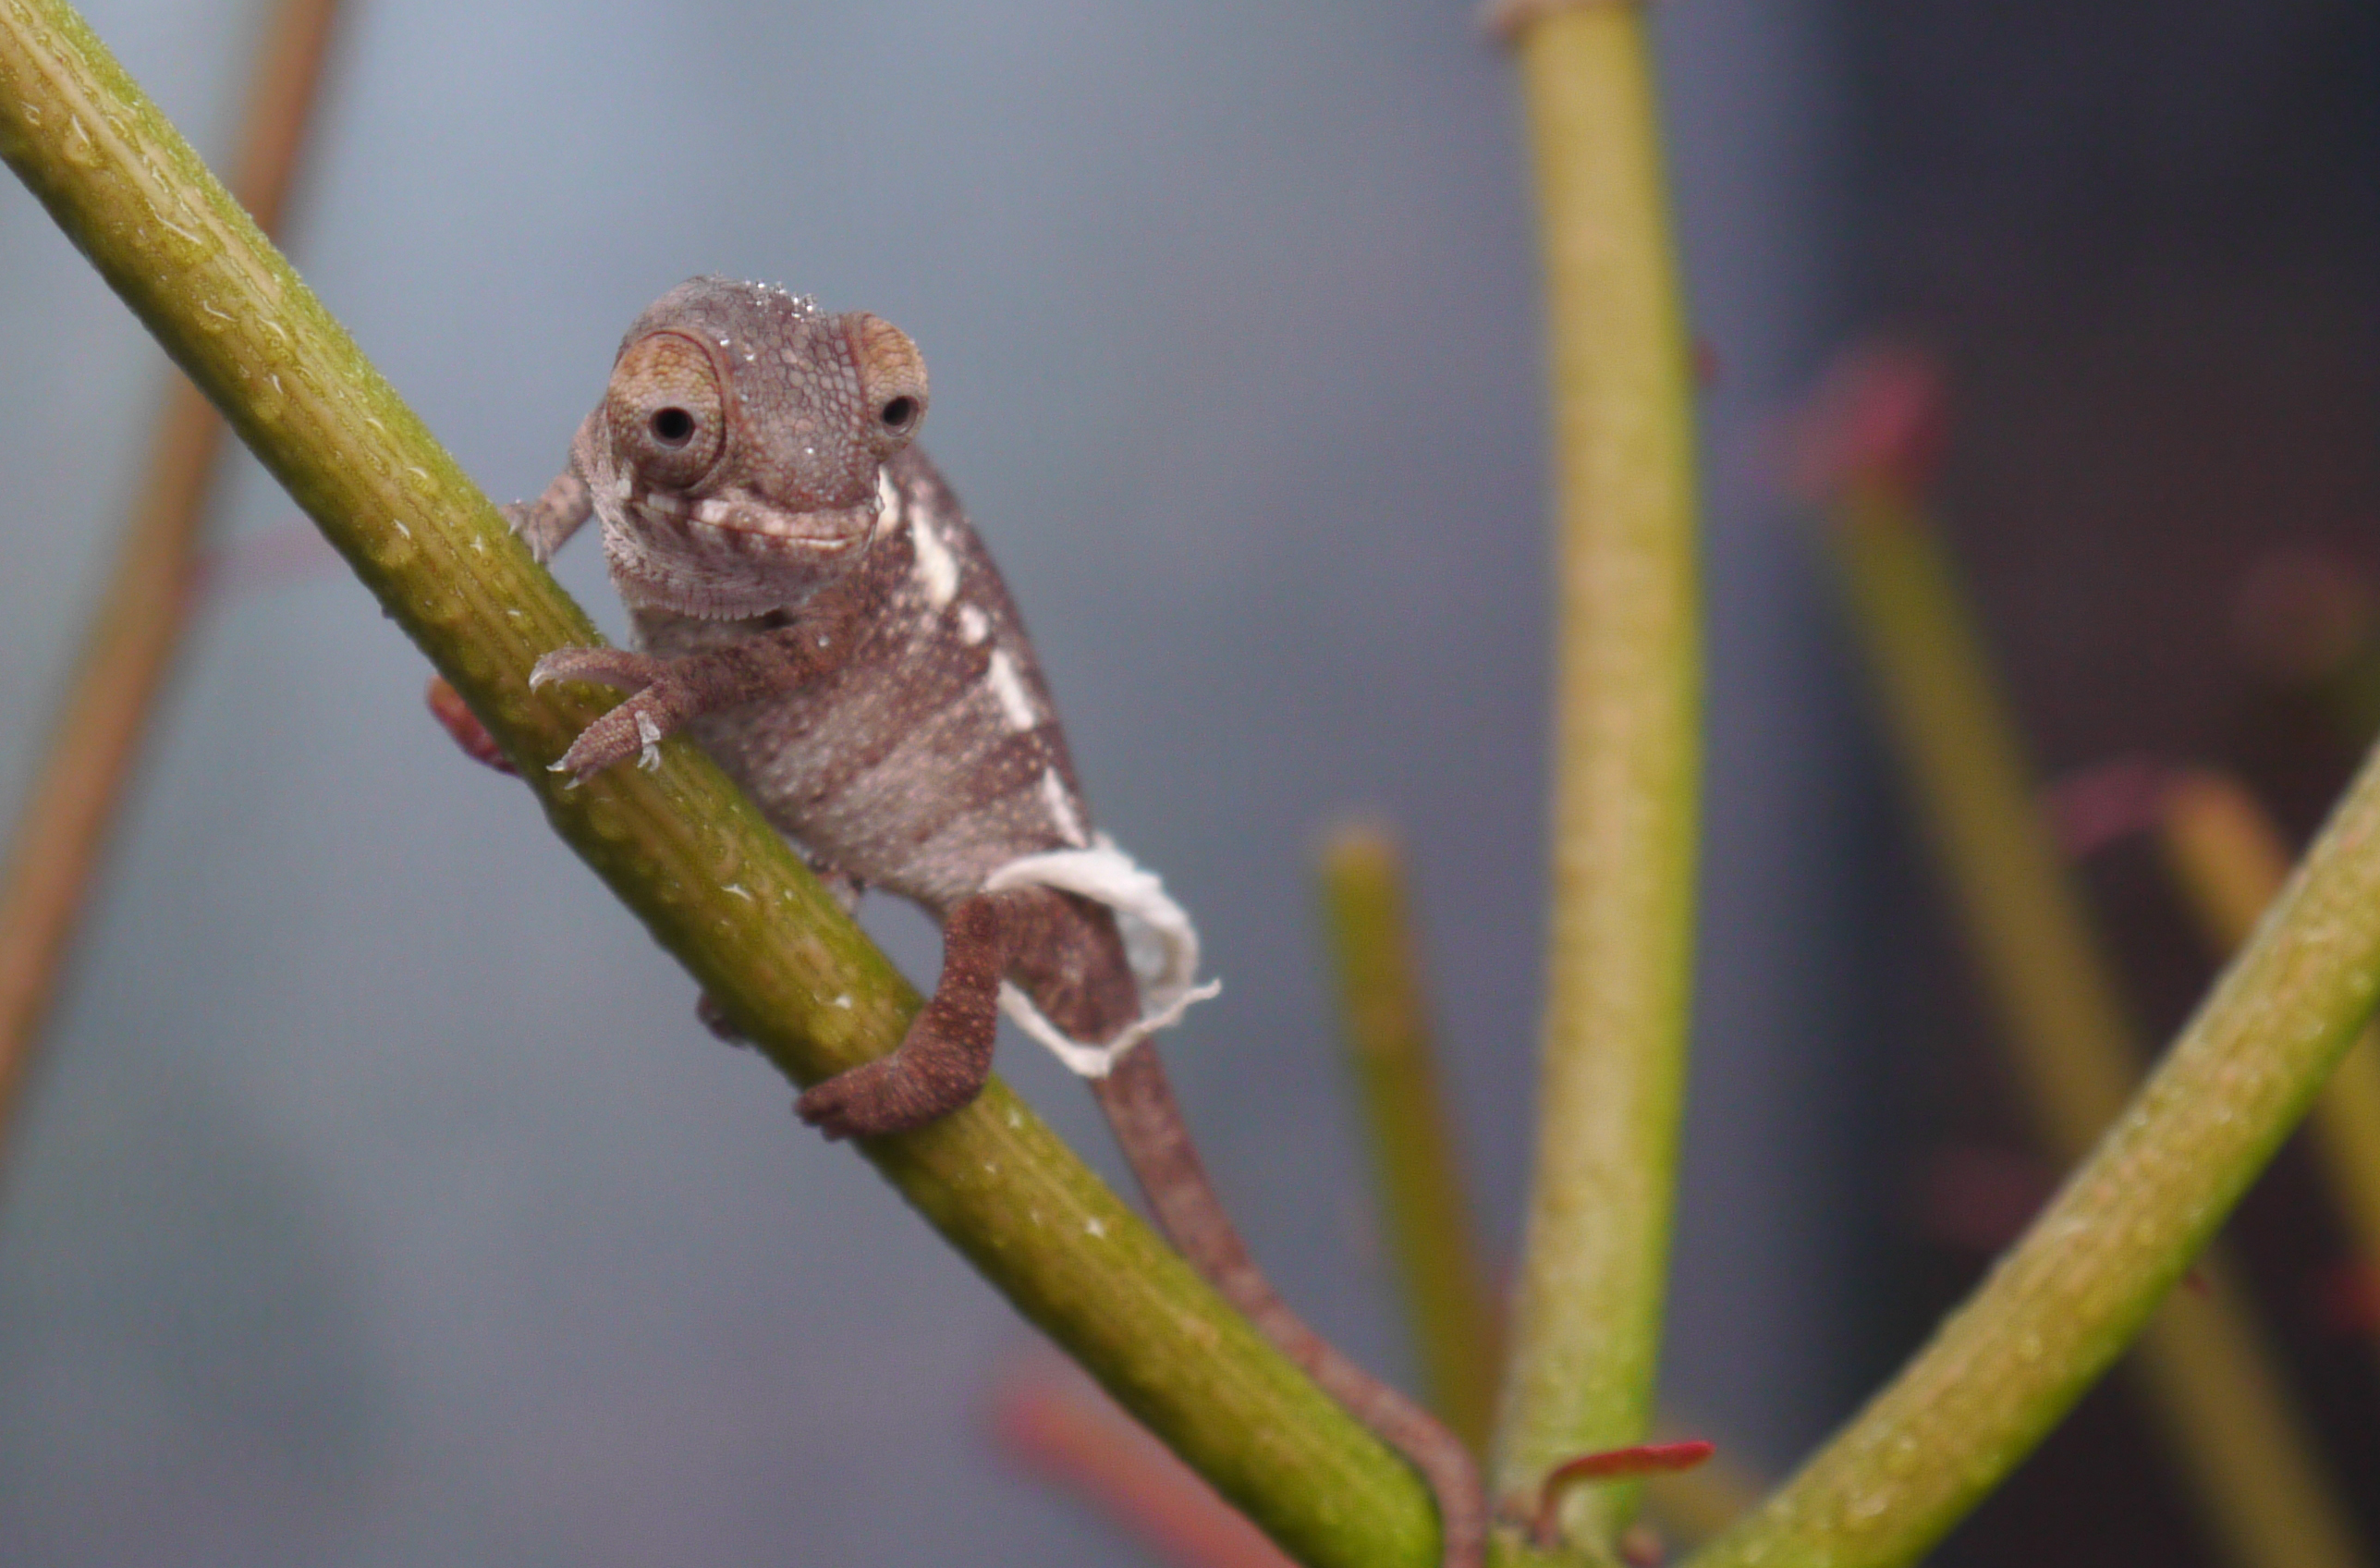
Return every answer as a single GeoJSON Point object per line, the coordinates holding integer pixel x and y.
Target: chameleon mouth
{"type": "Point", "coordinates": [828, 531]}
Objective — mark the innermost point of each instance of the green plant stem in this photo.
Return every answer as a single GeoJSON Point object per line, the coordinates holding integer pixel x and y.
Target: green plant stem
{"type": "Point", "coordinates": [2092, 1268]}
{"type": "Point", "coordinates": [63, 827]}
{"type": "Point", "coordinates": [1587, 1318]}
{"type": "Point", "coordinates": [716, 887]}
{"type": "Point", "coordinates": [2230, 859]}
{"type": "Point", "coordinates": [1383, 1019]}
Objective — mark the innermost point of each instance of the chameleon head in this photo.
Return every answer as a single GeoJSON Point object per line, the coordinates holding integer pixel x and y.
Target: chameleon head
{"type": "Point", "coordinates": [743, 438]}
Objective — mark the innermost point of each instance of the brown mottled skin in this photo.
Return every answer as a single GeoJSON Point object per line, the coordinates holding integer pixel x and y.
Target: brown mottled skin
{"type": "Point", "coordinates": [812, 605]}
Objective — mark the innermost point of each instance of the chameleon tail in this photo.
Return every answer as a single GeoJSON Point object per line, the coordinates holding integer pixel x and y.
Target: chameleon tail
{"type": "Point", "coordinates": [1148, 1123]}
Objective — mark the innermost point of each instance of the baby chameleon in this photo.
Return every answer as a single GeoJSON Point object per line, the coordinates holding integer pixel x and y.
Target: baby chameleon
{"type": "Point", "coordinates": [810, 603]}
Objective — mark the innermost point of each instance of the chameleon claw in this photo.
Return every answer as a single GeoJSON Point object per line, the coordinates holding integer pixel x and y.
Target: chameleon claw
{"type": "Point", "coordinates": [617, 668]}
{"type": "Point", "coordinates": [550, 667]}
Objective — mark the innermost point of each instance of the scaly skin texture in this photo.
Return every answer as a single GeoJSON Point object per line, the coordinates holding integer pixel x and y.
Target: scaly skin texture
{"type": "Point", "coordinates": [812, 604]}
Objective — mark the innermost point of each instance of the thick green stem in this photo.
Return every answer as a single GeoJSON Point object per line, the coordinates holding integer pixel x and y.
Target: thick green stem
{"type": "Point", "coordinates": [718, 888]}
{"type": "Point", "coordinates": [1384, 1020]}
{"type": "Point", "coordinates": [2230, 859]}
{"type": "Point", "coordinates": [1587, 1321]}
{"type": "Point", "coordinates": [2103, 1257]}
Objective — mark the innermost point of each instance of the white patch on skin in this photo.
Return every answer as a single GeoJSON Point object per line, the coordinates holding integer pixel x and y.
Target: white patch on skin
{"type": "Point", "coordinates": [1094, 1226]}
{"type": "Point", "coordinates": [974, 624]}
{"type": "Point", "coordinates": [937, 568]}
{"type": "Point", "coordinates": [1061, 807]}
{"type": "Point", "coordinates": [649, 733]}
{"type": "Point", "coordinates": [1002, 678]}
{"type": "Point", "coordinates": [669, 506]}
{"type": "Point", "coordinates": [714, 511]}
{"type": "Point", "coordinates": [888, 503]}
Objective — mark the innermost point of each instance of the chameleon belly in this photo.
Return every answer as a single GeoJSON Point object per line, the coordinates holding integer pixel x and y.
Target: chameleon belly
{"type": "Point", "coordinates": [933, 755]}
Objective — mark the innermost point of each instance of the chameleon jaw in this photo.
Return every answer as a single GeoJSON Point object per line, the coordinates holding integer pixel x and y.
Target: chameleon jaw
{"type": "Point", "coordinates": [726, 558]}
{"type": "Point", "coordinates": [823, 532]}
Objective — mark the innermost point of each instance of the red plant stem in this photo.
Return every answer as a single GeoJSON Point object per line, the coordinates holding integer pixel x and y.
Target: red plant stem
{"type": "Point", "coordinates": [1611, 1464]}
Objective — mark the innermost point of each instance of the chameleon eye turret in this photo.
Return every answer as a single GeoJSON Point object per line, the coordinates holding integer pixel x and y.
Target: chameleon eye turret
{"type": "Point", "coordinates": [665, 410]}
{"type": "Point", "coordinates": [892, 380]}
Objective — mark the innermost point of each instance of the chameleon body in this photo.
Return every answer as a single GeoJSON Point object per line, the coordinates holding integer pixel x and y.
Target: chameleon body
{"type": "Point", "coordinates": [812, 604]}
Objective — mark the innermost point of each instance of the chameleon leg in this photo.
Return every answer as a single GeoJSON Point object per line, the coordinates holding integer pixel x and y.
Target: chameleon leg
{"type": "Point", "coordinates": [947, 1054]}
{"type": "Point", "coordinates": [1064, 952]}
{"type": "Point", "coordinates": [665, 693]}
{"type": "Point", "coordinates": [549, 520]}
{"type": "Point", "coordinates": [447, 707]}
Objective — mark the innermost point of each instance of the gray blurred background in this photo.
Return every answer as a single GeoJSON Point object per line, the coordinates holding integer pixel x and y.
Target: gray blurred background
{"type": "Point", "coordinates": [379, 1200]}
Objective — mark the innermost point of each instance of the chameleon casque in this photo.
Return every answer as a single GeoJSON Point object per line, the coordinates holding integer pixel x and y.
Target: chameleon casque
{"type": "Point", "coordinates": [810, 603]}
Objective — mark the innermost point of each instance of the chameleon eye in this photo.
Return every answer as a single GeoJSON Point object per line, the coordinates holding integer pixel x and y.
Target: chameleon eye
{"type": "Point", "coordinates": [665, 410]}
{"type": "Point", "coordinates": [892, 379]}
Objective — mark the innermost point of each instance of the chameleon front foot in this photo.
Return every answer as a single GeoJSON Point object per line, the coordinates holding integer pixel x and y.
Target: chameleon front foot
{"type": "Point", "coordinates": [447, 707]}
{"type": "Point", "coordinates": [637, 726]}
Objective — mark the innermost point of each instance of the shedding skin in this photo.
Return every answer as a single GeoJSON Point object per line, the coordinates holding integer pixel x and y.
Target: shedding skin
{"type": "Point", "coordinates": [812, 604]}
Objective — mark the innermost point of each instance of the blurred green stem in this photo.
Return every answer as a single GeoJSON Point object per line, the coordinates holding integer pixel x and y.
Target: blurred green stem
{"type": "Point", "coordinates": [1384, 1020]}
{"type": "Point", "coordinates": [718, 888]}
{"type": "Point", "coordinates": [129, 652]}
{"type": "Point", "coordinates": [1626, 758]}
{"type": "Point", "coordinates": [1386, 1017]}
{"type": "Point", "coordinates": [2094, 1267]}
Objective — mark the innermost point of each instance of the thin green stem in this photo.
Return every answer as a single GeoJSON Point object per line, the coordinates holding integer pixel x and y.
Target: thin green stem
{"type": "Point", "coordinates": [679, 846]}
{"type": "Point", "coordinates": [2103, 1257]}
{"type": "Point", "coordinates": [1587, 1321]}
{"type": "Point", "coordinates": [1385, 1020]}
